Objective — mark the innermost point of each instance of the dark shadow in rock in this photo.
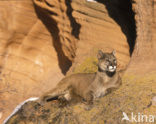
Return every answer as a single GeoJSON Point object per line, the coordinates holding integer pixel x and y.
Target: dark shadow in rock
{"type": "Point", "coordinates": [75, 26]}
{"type": "Point", "coordinates": [121, 11]}
{"type": "Point", "coordinates": [51, 25]}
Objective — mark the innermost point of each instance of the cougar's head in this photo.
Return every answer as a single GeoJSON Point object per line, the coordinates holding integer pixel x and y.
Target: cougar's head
{"type": "Point", "coordinates": [107, 61]}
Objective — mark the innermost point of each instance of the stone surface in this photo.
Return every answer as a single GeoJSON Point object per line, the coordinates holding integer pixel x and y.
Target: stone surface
{"type": "Point", "coordinates": [40, 41]}
{"type": "Point", "coordinates": [28, 59]}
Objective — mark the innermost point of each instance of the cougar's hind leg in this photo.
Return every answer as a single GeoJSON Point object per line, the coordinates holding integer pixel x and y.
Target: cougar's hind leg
{"type": "Point", "coordinates": [51, 95]}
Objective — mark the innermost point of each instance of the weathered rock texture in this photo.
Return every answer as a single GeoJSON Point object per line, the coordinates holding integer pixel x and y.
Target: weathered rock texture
{"type": "Point", "coordinates": [41, 39]}
{"type": "Point", "coordinates": [27, 56]}
{"type": "Point", "coordinates": [145, 47]}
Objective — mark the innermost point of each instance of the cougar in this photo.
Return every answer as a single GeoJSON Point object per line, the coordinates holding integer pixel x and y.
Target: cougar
{"type": "Point", "coordinates": [88, 86]}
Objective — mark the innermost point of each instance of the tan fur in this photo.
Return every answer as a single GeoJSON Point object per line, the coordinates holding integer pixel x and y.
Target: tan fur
{"type": "Point", "coordinates": [88, 86]}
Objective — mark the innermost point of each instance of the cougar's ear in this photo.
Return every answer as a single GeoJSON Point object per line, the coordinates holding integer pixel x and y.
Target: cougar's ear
{"type": "Point", "coordinates": [100, 55]}
{"type": "Point", "coordinates": [114, 52]}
